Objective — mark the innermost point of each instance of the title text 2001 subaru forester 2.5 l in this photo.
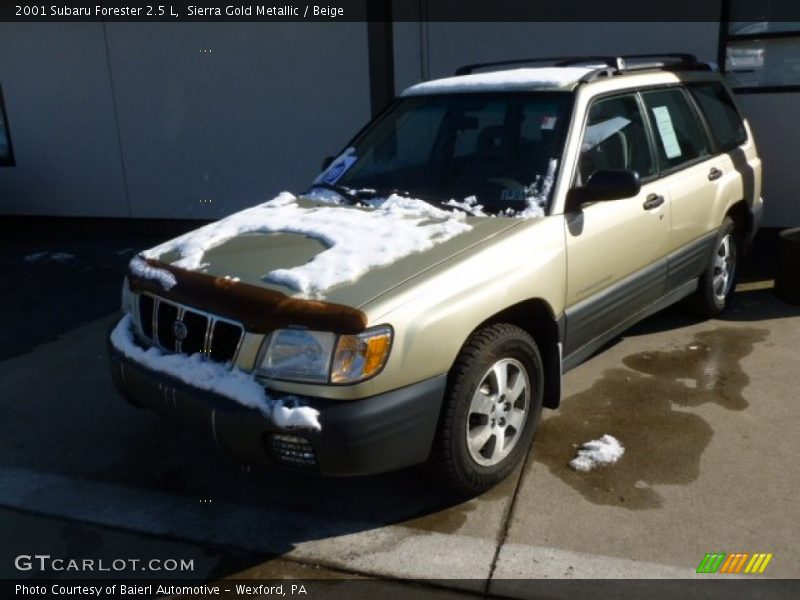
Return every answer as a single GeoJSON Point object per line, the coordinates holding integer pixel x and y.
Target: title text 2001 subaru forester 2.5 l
{"type": "Point", "coordinates": [420, 302]}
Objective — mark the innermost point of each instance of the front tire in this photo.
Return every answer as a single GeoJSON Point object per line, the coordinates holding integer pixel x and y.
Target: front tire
{"type": "Point", "coordinates": [718, 282]}
{"type": "Point", "coordinates": [491, 407]}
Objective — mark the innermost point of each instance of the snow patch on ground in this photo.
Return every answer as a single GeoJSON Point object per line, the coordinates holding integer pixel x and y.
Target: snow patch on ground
{"type": "Point", "coordinates": [357, 239]}
{"type": "Point", "coordinates": [231, 383]}
{"type": "Point", "coordinates": [61, 257]}
{"type": "Point", "coordinates": [140, 268]}
{"type": "Point", "coordinates": [597, 453]}
{"type": "Point", "coordinates": [510, 80]}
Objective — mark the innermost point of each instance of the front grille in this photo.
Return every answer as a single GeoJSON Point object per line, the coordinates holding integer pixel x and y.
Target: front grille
{"type": "Point", "coordinates": [195, 341]}
{"type": "Point", "coordinates": [216, 339]}
{"type": "Point", "coordinates": [226, 340]}
{"type": "Point", "coordinates": [167, 315]}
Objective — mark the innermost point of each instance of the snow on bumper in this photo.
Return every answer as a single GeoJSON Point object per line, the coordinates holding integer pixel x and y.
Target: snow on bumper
{"type": "Point", "coordinates": [233, 384]}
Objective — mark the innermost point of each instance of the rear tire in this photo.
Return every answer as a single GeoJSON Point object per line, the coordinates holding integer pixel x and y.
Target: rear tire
{"type": "Point", "coordinates": [718, 281]}
{"type": "Point", "coordinates": [491, 407]}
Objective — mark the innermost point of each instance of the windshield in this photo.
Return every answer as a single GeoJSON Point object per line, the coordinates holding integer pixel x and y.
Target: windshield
{"type": "Point", "coordinates": [497, 150]}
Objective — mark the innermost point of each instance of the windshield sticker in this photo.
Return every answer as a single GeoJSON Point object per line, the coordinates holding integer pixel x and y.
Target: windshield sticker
{"type": "Point", "coordinates": [667, 131]}
{"type": "Point", "coordinates": [549, 122]}
{"type": "Point", "coordinates": [338, 168]}
{"type": "Point", "coordinates": [600, 132]}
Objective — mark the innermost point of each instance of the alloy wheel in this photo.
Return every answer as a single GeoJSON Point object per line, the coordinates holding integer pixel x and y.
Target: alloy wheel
{"type": "Point", "coordinates": [498, 411]}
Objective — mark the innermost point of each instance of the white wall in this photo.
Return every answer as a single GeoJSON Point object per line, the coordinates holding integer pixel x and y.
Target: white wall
{"type": "Point", "coordinates": [254, 116]}
{"type": "Point", "coordinates": [61, 117]}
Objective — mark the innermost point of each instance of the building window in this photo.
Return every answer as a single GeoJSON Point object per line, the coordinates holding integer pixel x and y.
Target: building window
{"type": "Point", "coordinates": [760, 51]}
{"type": "Point", "coordinates": [6, 152]}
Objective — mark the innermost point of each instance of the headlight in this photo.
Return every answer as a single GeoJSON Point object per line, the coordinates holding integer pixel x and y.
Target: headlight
{"type": "Point", "coordinates": [127, 297]}
{"type": "Point", "coordinates": [298, 354]}
{"type": "Point", "coordinates": [322, 357]}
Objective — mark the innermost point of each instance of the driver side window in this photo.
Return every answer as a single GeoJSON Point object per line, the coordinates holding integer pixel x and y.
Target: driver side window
{"type": "Point", "coordinates": [615, 138]}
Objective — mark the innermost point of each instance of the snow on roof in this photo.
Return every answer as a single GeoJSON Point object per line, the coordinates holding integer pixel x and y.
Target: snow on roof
{"type": "Point", "coordinates": [356, 240]}
{"type": "Point", "coordinates": [233, 383]}
{"type": "Point", "coordinates": [513, 80]}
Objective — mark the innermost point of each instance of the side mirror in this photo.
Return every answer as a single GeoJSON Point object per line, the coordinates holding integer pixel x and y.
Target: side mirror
{"type": "Point", "coordinates": [612, 184]}
{"type": "Point", "coordinates": [326, 162]}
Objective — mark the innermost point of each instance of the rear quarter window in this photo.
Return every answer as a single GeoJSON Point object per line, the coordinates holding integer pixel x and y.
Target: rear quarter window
{"type": "Point", "coordinates": [723, 119]}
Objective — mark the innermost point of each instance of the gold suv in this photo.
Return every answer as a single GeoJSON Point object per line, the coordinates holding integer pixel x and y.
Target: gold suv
{"type": "Point", "coordinates": [422, 299]}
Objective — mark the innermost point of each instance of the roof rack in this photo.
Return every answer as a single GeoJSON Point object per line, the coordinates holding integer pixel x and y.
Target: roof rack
{"type": "Point", "coordinates": [605, 66]}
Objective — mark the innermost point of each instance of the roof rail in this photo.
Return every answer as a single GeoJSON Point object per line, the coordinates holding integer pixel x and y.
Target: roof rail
{"type": "Point", "coordinates": [560, 61]}
{"type": "Point", "coordinates": [605, 65]}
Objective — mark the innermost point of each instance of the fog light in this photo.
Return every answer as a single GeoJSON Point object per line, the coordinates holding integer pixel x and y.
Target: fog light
{"type": "Point", "coordinates": [291, 450]}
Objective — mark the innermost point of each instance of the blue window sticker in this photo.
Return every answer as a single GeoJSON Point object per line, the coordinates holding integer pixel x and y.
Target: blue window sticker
{"type": "Point", "coordinates": [338, 168]}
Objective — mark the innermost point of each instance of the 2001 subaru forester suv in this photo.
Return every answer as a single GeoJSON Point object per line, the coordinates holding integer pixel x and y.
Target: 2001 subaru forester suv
{"type": "Point", "coordinates": [579, 196]}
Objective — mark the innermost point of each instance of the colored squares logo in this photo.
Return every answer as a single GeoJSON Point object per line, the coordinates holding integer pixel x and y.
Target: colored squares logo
{"type": "Point", "coordinates": [735, 563]}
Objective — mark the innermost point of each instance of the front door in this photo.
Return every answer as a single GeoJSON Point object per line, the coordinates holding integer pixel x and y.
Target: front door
{"type": "Point", "coordinates": [616, 250]}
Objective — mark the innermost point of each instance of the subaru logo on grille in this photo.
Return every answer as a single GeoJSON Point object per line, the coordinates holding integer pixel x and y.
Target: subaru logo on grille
{"type": "Point", "coordinates": [179, 330]}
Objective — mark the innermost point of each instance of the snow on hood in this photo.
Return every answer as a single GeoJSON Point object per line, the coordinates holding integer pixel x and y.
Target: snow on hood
{"type": "Point", "coordinates": [507, 81]}
{"type": "Point", "coordinates": [141, 269]}
{"type": "Point", "coordinates": [231, 383]}
{"type": "Point", "coordinates": [356, 240]}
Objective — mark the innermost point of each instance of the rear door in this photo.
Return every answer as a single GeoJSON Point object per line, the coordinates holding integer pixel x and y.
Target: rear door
{"type": "Point", "coordinates": [690, 172]}
{"type": "Point", "coordinates": [615, 249]}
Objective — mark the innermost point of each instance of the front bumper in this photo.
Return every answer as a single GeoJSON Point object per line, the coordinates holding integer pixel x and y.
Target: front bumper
{"type": "Point", "coordinates": [359, 437]}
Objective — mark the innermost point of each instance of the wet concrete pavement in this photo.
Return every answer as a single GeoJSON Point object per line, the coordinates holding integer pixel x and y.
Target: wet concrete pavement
{"type": "Point", "coordinates": [705, 410]}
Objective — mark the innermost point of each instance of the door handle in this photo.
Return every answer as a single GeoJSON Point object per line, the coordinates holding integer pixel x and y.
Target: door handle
{"type": "Point", "coordinates": [714, 174]}
{"type": "Point", "coordinates": [653, 201]}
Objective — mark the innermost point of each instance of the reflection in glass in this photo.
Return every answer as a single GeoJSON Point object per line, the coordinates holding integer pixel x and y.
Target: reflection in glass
{"type": "Point", "coordinates": [760, 63]}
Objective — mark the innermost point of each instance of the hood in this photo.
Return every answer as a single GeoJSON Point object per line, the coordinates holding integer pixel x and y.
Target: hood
{"type": "Point", "coordinates": [372, 255]}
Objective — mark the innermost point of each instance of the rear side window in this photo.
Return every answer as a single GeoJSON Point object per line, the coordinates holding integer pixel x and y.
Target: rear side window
{"type": "Point", "coordinates": [680, 138]}
{"type": "Point", "coordinates": [723, 118]}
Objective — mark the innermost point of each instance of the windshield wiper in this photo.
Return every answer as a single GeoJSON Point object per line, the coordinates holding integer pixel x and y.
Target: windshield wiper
{"type": "Point", "coordinates": [350, 195]}
{"type": "Point", "coordinates": [432, 200]}
{"type": "Point", "coordinates": [353, 197]}
{"type": "Point", "coordinates": [344, 192]}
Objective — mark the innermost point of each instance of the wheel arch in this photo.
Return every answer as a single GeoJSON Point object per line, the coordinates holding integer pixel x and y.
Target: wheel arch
{"type": "Point", "coordinates": [535, 316]}
{"type": "Point", "coordinates": [743, 223]}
